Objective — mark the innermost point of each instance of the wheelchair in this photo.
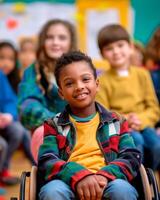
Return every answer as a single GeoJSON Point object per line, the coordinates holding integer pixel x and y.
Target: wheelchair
{"type": "Point", "coordinates": [145, 183]}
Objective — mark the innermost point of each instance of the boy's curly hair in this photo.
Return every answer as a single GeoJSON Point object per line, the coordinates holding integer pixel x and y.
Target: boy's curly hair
{"type": "Point", "coordinates": [68, 58]}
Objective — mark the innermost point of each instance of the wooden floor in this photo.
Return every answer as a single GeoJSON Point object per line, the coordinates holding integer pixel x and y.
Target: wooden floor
{"type": "Point", "coordinates": [19, 163]}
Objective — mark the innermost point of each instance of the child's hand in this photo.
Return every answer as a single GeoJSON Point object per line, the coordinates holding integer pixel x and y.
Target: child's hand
{"type": "Point", "coordinates": [89, 188]}
{"type": "Point", "coordinates": [5, 120]}
{"type": "Point", "coordinates": [134, 122]}
{"type": "Point", "coordinates": [102, 181]}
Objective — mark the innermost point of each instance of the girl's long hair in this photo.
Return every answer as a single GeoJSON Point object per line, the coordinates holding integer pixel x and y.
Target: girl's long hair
{"type": "Point", "coordinates": [45, 66]}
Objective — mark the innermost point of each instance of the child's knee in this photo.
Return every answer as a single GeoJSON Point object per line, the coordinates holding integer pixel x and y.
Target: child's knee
{"type": "Point", "coordinates": [55, 189]}
{"type": "Point", "coordinates": [120, 189]}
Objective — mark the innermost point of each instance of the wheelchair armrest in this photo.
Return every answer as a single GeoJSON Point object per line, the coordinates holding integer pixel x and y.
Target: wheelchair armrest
{"type": "Point", "coordinates": [23, 185]}
{"type": "Point", "coordinates": [33, 183]}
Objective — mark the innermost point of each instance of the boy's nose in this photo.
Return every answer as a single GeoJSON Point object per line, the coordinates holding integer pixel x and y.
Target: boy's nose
{"type": "Point", "coordinates": [116, 50]}
{"type": "Point", "coordinates": [79, 86]}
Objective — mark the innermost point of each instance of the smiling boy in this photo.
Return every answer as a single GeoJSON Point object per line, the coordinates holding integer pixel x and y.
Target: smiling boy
{"type": "Point", "coordinates": [129, 91]}
{"type": "Point", "coordinates": [87, 152]}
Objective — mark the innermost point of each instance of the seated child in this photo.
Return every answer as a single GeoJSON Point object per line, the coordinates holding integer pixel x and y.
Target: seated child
{"type": "Point", "coordinates": [87, 150]}
{"type": "Point", "coordinates": [14, 132]}
{"type": "Point", "coordinates": [7, 112]}
{"type": "Point", "coordinates": [26, 53]}
{"type": "Point", "coordinates": [129, 90]}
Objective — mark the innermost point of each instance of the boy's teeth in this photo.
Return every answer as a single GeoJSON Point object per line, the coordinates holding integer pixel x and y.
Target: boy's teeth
{"type": "Point", "coordinates": [81, 95]}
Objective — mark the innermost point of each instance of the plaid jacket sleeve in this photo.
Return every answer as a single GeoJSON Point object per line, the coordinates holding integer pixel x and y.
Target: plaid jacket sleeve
{"type": "Point", "coordinates": [31, 102]}
{"type": "Point", "coordinates": [128, 161]}
{"type": "Point", "coordinates": [52, 166]}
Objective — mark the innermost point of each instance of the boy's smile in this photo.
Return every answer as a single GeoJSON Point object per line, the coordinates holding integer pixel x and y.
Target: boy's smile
{"type": "Point", "coordinates": [78, 86]}
{"type": "Point", "coordinates": [81, 96]}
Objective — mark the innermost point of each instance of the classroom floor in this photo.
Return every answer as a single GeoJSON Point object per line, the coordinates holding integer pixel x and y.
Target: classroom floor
{"type": "Point", "coordinates": [19, 163]}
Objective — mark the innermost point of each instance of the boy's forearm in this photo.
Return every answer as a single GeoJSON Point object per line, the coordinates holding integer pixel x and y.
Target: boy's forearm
{"type": "Point", "coordinates": [125, 166]}
{"type": "Point", "coordinates": [69, 172]}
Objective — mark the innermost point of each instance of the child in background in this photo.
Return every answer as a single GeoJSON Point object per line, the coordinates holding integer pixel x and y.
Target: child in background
{"type": "Point", "coordinates": [38, 94]}
{"type": "Point", "coordinates": [7, 114]}
{"type": "Point", "coordinates": [87, 150]}
{"type": "Point", "coordinates": [15, 134]}
{"type": "Point", "coordinates": [27, 52]}
{"type": "Point", "coordinates": [137, 56]}
{"type": "Point", "coordinates": [152, 52]}
{"type": "Point", "coordinates": [129, 90]}
{"type": "Point", "coordinates": [152, 59]}
{"type": "Point", "coordinates": [152, 63]}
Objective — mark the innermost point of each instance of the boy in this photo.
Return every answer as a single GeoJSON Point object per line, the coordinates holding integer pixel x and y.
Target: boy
{"type": "Point", "coordinates": [87, 151]}
{"type": "Point", "coordinates": [129, 90]}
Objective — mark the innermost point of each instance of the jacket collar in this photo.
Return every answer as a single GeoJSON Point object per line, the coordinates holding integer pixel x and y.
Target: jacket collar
{"type": "Point", "coordinates": [105, 115]}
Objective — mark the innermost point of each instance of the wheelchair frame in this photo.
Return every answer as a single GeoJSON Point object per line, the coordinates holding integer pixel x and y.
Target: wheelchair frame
{"type": "Point", "coordinates": [145, 181]}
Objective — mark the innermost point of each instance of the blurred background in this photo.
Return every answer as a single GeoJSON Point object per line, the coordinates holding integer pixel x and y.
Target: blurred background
{"type": "Point", "coordinates": [19, 19]}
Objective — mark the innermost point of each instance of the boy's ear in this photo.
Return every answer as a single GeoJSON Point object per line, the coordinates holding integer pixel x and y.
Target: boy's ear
{"type": "Point", "coordinates": [97, 84]}
{"type": "Point", "coordinates": [60, 93]}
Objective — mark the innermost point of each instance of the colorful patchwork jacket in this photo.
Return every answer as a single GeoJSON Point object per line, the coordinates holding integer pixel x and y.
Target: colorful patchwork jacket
{"type": "Point", "coordinates": [121, 156]}
{"type": "Point", "coordinates": [35, 107]}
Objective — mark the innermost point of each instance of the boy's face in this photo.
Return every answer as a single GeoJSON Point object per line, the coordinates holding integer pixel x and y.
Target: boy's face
{"type": "Point", "coordinates": [78, 86]}
{"type": "Point", "coordinates": [118, 54]}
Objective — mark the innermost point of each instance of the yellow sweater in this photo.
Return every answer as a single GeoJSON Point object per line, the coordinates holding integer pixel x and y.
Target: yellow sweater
{"type": "Point", "coordinates": [133, 93]}
{"type": "Point", "coordinates": [86, 151]}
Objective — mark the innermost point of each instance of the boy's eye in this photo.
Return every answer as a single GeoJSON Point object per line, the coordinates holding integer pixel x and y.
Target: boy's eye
{"type": "Point", "coordinates": [86, 79]}
{"type": "Point", "coordinates": [68, 84]}
{"type": "Point", "coordinates": [120, 44]}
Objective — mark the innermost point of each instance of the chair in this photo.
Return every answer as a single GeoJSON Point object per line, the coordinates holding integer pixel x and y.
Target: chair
{"type": "Point", "coordinates": [145, 184]}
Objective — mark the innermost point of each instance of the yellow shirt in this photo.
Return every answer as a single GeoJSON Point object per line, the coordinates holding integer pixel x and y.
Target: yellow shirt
{"type": "Point", "coordinates": [133, 93]}
{"type": "Point", "coordinates": [86, 151]}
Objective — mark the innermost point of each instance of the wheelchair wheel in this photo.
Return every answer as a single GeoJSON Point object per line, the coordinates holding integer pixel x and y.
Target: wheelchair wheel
{"type": "Point", "coordinates": [153, 184]}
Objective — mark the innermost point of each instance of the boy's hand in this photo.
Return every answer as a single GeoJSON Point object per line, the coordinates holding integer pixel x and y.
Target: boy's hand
{"type": "Point", "coordinates": [133, 121]}
{"type": "Point", "coordinates": [5, 120]}
{"type": "Point", "coordinates": [102, 181]}
{"type": "Point", "coordinates": [89, 188]}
